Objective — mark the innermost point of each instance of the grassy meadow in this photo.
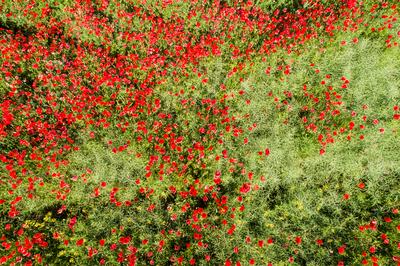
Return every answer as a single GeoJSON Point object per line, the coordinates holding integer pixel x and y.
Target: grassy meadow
{"type": "Point", "coordinates": [181, 132]}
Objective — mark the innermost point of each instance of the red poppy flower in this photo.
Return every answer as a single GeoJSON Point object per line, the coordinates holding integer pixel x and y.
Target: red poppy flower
{"type": "Point", "coordinates": [197, 236]}
{"type": "Point", "coordinates": [387, 219]}
{"type": "Point", "coordinates": [245, 188]}
{"type": "Point", "coordinates": [80, 242]}
{"type": "Point", "coordinates": [236, 250]}
{"type": "Point", "coordinates": [341, 249]}
{"type": "Point", "coordinates": [124, 240]}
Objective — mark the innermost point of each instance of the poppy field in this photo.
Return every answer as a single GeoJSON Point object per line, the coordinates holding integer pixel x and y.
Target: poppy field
{"type": "Point", "coordinates": [196, 132]}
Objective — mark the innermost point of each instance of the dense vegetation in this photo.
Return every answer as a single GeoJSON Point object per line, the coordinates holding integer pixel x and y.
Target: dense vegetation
{"type": "Point", "coordinates": [177, 132]}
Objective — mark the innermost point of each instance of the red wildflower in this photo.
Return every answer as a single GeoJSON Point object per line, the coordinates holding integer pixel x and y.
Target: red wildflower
{"type": "Point", "coordinates": [217, 178]}
{"type": "Point", "coordinates": [125, 240]}
{"type": "Point", "coordinates": [72, 223]}
{"type": "Point", "coordinates": [387, 219]}
{"type": "Point", "coordinates": [80, 242]}
{"type": "Point", "coordinates": [197, 236]}
{"type": "Point", "coordinates": [236, 250]}
{"type": "Point", "coordinates": [245, 188]}
{"type": "Point", "coordinates": [341, 249]}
